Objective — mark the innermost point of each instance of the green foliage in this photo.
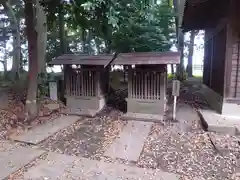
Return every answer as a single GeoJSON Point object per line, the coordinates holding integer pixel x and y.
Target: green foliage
{"type": "Point", "coordinates": [122, 26]}
{"type": "Point", "coordinates": [143, 28]}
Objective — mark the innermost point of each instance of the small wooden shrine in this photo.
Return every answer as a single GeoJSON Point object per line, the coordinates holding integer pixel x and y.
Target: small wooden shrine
{"type": "Point", "coordinates": [86, 82]}
{"type": "Point", "coordinates": [147, 82]}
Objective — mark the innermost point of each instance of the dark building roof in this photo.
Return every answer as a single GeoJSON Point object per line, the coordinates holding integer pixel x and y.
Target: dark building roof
{"type": "Point", "coordinates": [83, 59]}
{"type": "Point", "coordinates": [203, 14]}
{"type": "Point", "coordinates": [147, 58]}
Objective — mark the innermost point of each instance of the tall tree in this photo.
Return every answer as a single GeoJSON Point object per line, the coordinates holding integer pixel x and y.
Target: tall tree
{"type": "Point", "coordinates": [41, 28]}
{"type": "Point", "coordinates": [190, 53]}
{"type": "Point", "coordinates": [16, 36]}
{"type": "Point", "coordinates": [63, 45]}
{"type": "Point", "coordinates": [180, 68]}
{"type": "Point", "coordinates": [5, 34]}
{"type": "Point", "coordinates": [32, 37]}
{"type": "Point", "coordinates": [180, 40]}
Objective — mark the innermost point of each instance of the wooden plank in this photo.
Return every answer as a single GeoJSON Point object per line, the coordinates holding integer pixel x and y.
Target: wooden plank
{"type": "Point", "coordinates": [87, 83]}
{"type": "Point", "coordinates": [147, 58]}
{"type": "Point", "coordinates": [162, 86]}
{"type": "Point", "coordinates": [71, 93]}
{"type": "Point", "coordinates": [158, 85]}
{"type": "Point", "coordinates": [140, 86]}
{"type": "Point", "coordinates": [67, 80]}
{"type": "Point", "coordinates": [98, 89]}
{"type": "Point", "coordinates": [154, 85]}
{"type": "Point", "coordinates": [143, 87]}
{"type": "Point", "coordinates": [137, 84]}
{"type": "Point", "coordinates": [134, 84]}
{"type": "Point", "coordinates": [83, 81]}
{"type": "Point", "coordinates": [91, 83]}
{"type": "Point", "coordinates": [77, 84]}
{"type": "Point", "coordinates": [74, 84]}
{"type": "Point", "coordinates": [146, 84]}
{"type": "Point", "coordinates": [129, 82]}
{"type": "Point", "coordinates": [84, 59]}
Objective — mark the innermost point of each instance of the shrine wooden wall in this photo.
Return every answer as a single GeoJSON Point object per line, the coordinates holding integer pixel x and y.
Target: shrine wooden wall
{"type": "Point", "coordinates": [222, 69]}
{"type": "Point", "coordinates": [234, 91]}
{"type": "Point", "coordinates": [214, 58]}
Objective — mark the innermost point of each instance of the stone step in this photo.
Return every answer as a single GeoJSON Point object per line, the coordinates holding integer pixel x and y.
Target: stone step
{"type": "Point", "coordinates": [216, 123]}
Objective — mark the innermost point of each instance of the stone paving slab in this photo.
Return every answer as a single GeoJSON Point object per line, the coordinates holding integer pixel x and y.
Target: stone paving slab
{"type": "Point", "coordinates": [130, 142]}
{"type": "Point", "coordinates": [64, 167]}
{"type": "Point", "coordinates": [186, 112]}
{"type": "Point", "coordinates": [217, 123]}
{"type": "Point", "coordinates": [43, 131]}
{"type": "Point", "coordinates": [14, 157]}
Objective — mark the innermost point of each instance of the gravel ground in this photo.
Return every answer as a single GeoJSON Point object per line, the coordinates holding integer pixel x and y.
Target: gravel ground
{"type": "Point", "coordinates": [89, 137]}
{"type": "Point", "coordinates": [192, 153]}
{"type": "Point", "coordinates": [187, 153]}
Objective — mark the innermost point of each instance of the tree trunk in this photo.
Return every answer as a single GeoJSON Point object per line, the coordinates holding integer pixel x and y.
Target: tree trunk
{"type": "Point", "coordinates": [31, 102]}
{"type": "Point", "coordinates": [88, 41]}
{"type": "Point", "coordinates": [16, 38]}
{"type": "Point", "coordinates": [63, 46]}
{"type": "Point", "coordinates": [17, 52]}
{"type": "Point", "coordinates": [41, 28]}
{"type": "Point", "coordinates": [175, 7]}
{"type": "Point", "coordinates": [172, 69]}
{"type": "Point", "coordinates": [190, 53]}
{"type": "Point", "coordinates": [5, 58]}
{"type": "Point", "coordinates": [84, 41]}
{"type": "Point", "coordinates": [180, 68]}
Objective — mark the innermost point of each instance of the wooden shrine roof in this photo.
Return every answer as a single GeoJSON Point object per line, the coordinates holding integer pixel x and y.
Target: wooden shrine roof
{"type": "Point", "coordinates": [203, 14]}
{"type": "Point", "coordinates": [83, 59]}
{"type": "Point", "coordinates": [146, 58]}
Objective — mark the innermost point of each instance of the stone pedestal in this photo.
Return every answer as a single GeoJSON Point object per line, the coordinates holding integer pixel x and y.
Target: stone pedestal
{"type": "Point", "coordinates": [86, 106]}
{"type": "Point", "coordinates": [86, 92]}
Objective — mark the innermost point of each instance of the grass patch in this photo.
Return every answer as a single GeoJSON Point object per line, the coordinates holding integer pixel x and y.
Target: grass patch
{"type": "Point", "coordinates": [198, 76]}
